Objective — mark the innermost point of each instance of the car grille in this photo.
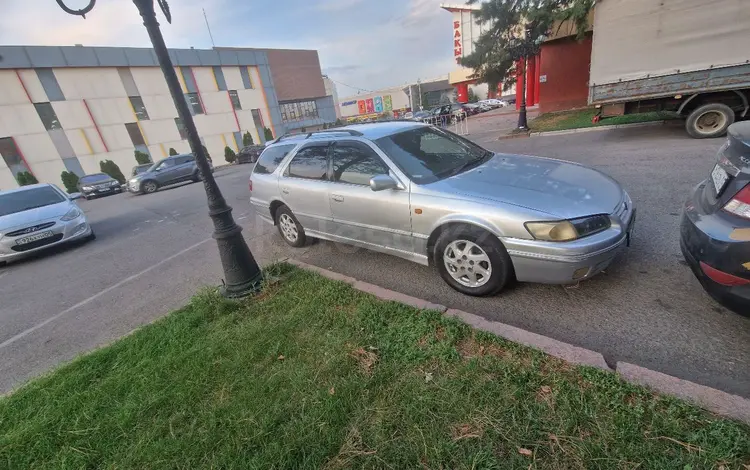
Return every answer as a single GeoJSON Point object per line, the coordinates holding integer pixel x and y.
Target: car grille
{"type": "Point", "coordinates": [30, 230]}
{"type": "Point", "coordinates": [38, 243]}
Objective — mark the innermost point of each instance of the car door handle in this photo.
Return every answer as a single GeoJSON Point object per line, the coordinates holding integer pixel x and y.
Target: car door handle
{"type": "Point", "coordinates": [285, 190]}
{"type": "Point", "coordinates": [337, 198]}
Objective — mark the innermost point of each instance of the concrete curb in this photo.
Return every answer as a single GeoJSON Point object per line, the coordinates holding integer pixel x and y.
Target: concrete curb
{"type": "Point", "coordinates": [600, 128]}
{"type": "Point", "coordinates": [711, 399]}
{"type": "Point", "coordinates": [714, 400]}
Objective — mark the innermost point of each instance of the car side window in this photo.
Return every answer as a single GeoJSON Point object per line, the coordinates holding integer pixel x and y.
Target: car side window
{"type": "Point", "coordinates": [310, 163]}
{"type": "Point", "coordinates": [354, 164]}
{"type": "Point", "coordinates": [271, 158]}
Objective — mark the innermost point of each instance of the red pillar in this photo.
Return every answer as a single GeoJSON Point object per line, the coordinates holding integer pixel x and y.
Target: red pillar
{"type": "Point", "coordinates": [462, 90]}
{"type": "Point", "coordinates": [530, 74]}
{"type": "Point", "coordinates": [519, 83]}
{"type": "Point", "coordinates": [536, 78]}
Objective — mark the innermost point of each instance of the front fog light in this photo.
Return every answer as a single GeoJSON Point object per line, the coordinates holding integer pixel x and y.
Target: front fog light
{"type": "Point", "coordinates": [580, 273]}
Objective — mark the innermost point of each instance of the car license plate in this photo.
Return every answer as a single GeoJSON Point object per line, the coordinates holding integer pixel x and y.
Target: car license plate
{"type": "Point", "coordinates": [720, 178]}
{"type": "Point", "coordinates": [33, 238]}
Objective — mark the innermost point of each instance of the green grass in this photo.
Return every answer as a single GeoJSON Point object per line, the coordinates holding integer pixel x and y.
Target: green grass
{"type": "Point", "coordinates": [313, 374]}
{"type": "Point", "coordinates": [582, 118]}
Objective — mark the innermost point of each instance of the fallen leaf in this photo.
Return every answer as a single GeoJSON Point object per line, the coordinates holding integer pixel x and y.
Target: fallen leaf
{"type": "Point", "coordinates": [552, 437]}
{"type": "Point", "coordinates": [428, 377]}
{"type": "Point", "coordinates": [546, 389]}
{"type": "Point", "coordinates": [525, 452]}
{"type": "Point", "coordinates": [281, 357]}
{"type": "Point", "coordinates": [331, 391]}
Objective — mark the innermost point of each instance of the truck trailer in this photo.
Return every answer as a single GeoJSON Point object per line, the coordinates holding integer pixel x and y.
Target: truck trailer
{"type": "Point", "coordinates": [691, 57]}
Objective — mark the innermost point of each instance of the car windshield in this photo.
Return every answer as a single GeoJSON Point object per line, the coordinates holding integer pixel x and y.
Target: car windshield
{"type": "Point", "coordinates": [19, 201]}
{"type": "Point", "coordinates": [428, 154]}
{"type": "Point", "coordinates": [160, 165]}
{"type": "Point", "coordinates": [140, 169]}
{"type": "Point", "coordinates": [97, 178]}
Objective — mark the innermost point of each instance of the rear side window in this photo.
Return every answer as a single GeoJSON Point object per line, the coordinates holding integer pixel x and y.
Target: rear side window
{"type": "Point", "coordinates": [271, 158]}
{"type": "Point", "coordinates": [310, 163]}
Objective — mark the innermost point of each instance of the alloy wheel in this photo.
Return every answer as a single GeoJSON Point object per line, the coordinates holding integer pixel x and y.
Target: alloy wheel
{"type": "Point", "coordinates": [288, 228]}
{"type": "Point", "coordinates": [467, 263]}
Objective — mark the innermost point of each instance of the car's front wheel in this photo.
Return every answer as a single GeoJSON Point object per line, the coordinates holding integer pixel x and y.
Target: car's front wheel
{"type": "Point", "coordinates": [472, 260]}
{"type": "Point", "coordinates": [289, 227]}
{"type": "Point", "coordinates": [149, 187]}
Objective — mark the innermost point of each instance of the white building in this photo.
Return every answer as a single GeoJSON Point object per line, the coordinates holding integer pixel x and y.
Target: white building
{"type": "Point", "coordinates": [331, 91]}
{"type": "Point", "coordinates": [68, 108]}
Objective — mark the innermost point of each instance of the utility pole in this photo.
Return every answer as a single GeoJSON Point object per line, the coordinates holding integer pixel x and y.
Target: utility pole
{"type": "Point", "coordinates": [242, 274]}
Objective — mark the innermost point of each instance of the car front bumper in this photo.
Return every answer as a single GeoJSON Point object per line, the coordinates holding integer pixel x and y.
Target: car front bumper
{"type": "Point", "coordinates": [63, 232]}
{"type": "Point", "coordinates": [102, 192]}
{"type": "Point", "coordinates": [570, 262]}
{"type": "Point", "coordinates": [708, 238]}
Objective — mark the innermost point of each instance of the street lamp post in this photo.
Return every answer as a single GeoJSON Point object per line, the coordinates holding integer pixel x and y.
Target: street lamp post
{"type": "Point", "coordinates": [242, 276]}
{"type": "Point", "coordinates": [522, 121]}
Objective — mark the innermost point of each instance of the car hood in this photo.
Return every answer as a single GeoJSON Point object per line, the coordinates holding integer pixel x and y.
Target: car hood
{"type": "Point", "coordinates": [19, 220]}
{"type": "Point", "coordinates": [561, 189]}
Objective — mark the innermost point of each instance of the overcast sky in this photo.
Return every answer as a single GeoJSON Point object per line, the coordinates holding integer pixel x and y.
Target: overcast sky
{"type": "Point", "coordinates": [364, 43]}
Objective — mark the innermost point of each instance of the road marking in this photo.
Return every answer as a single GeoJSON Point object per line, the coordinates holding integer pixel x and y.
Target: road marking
{"type": "Point", "coordinates": [24, 333]}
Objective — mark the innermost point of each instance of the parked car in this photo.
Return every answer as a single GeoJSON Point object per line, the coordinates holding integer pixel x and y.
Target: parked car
{"type": "Point", "coordinates": [419, 115]}
{"type": "Point", "coordinates": [137, 170]}
{"type": "Point", "coordinates": [38, 216]}
{"type": "Point", "coordinates": [98, 184]}
{"type": "Point", "coordinates": [715, 229]}
{"type": "Point", "coordinates": [249, 154]}
{"type": "Point", "coordinates": [494, 103]}
{"type": "Point", "coordinates": [427, 195]}
{"type": "Point", "coordinates": [171, 170]}
{"type": "Point", "coordinates": [471, 109]}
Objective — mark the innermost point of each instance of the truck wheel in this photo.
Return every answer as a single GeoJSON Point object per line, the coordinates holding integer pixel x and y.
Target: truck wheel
{"type": "Point", "coordinates": [709, 120]}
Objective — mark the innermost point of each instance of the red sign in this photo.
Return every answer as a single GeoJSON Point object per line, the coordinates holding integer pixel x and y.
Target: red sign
{"type": "Point", "coordinates": [370, 105]}
{"type": "Point", "coordinates": [361, 107]}
{"type": "Point", "coordinates": [457, 48]}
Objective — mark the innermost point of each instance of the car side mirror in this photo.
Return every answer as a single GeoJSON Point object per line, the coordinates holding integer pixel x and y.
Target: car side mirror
{"type": "Point", "coordinates": [382, 182]}
{"type": "Point", "coordinates": [74, 196]}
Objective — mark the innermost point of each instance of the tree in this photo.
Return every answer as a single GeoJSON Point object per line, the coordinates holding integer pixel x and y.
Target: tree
{"type": "Point", "coordinates": [338, 123]}
{"type": "Point", "coordinates": [70, 181]}
{"type": "Point", "coordinates": [172, 151]}
{"type": "Point", "coordinates": [25, 178]}
{"type": "Point", "coordinates": [516, 31]}
{"type": "Point", "coordinates": [472, 96]}
{"type": "Point", "coordinates": [247, 139]}
{"type": "Point", "coordinates": [109, 167]}
{"type": "Point", "coordinates": [267, 133]}
{"type": "Point", "coordinates": [142, 157]}
{"type": "Point", "coordinates": [205, 151]}
{"type": "Point", "coordinates": [229, 155]}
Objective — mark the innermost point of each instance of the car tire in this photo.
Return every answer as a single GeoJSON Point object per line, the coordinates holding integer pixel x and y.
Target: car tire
{"type": "Point", "coordinates": [289, 227]}
{"type": "Point", "coordinates": [458, 252]}
{"type": "Point", "coordinates": [710, 120]}
{"type": "Point", "coordinates": [149, 186]}
{"type": "Point", "coordinates": [196, 177]}
{"type": "Point", "coordinates": [91, 237]}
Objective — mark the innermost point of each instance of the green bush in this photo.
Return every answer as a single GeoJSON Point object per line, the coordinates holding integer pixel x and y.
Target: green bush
{"type": "Point", "coordinates": [142, 158]}
{"type": "Point", "coordinates": [172, 151]}
{"type": "Point", "coordinates": [70, 181]}
{"type": "Point", "coordinates": [247, 139]}
{"type": "Point", "coordinates": [109, 167]}
{"type": "Point", "coordinates": [338, 123]}
{"type": "Point", "coordinates": [267, 133]}
{"type": "Point", "coordinates": [229, 155]}
{"type": "Point", "coordinates": [25, 178]}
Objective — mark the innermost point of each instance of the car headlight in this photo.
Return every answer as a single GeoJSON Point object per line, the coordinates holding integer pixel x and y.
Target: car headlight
{"type": "Point", "coordinates": [114, 183]}
{"type": "Point", "coordinates": [72, 214]}
{"type": "Point", "coordinates": [88, 188]}
{"type": "Point", "coordinates": [566, 230]}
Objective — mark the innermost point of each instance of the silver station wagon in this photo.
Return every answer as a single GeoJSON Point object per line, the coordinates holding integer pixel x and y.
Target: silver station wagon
{"type": "Point", "coordinates": [483, 219]}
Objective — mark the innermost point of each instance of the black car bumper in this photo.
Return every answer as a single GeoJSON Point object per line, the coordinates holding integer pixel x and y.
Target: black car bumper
{"type": "Point", "coordinates": [717, 260]}
{"type": "Point", "coordinates": [102, 192]}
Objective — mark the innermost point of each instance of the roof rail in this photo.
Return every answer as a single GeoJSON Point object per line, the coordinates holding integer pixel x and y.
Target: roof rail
{"type": "Point", "coordinates": [288, 136]}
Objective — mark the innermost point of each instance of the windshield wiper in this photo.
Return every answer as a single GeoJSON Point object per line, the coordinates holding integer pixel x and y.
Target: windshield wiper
{"type": "Point", "coordinates": [472, 163]}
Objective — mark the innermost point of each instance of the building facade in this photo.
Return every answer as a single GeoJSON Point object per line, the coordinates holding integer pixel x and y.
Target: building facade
{"type": "Point", "coordinates": [330, 87]}
{"type": "Point", "coordinates": [68, 108]}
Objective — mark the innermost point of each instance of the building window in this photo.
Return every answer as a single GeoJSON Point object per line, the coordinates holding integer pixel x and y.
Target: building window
{"type": "Point", "coordinates": [181, 128]}
{"type": "Point", "coordinates": [235, 99]}
{"type": "Point", "coordinates": [12, 156]}
{"type": "Point", "coordinates": [139, 108]}
{"type": "Point", "coordinates": [298, 111]}
{"type": "Point", "coordinates": [194, 103]}
{"type": "Point", "coordinates": [135, 133]}
{"type": "Point", "coordinates": [246, 79]}
{"type": "Point", "coordinates": [219, 77]}
{"type": "Point", "coordinates": [48, 116]}
{"type": "Point", "coordinates": [50, 85]}
{"type": "Point", "coordinates": [188, 79]}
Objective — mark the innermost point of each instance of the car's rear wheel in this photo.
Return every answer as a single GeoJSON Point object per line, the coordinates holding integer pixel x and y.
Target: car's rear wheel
{"type": "Point", "coordinates": [709, 120]}
{"type": "Point", "coordinates": [472, 260]}
{"type": "Point", "coordinates": [149, 187]}
{"type": "Point", "coordinates": [289, 227]}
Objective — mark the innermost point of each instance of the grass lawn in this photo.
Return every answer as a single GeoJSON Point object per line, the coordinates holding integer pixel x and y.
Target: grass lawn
{"type": "Point", "coordinates": [313, 374]}
{"type": "Point", "coordinates": [582, 118]}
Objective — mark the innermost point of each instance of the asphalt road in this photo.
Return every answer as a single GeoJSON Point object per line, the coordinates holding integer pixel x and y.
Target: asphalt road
{"type": "Point", "coordinates": [154, 251]}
